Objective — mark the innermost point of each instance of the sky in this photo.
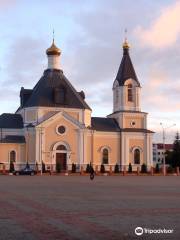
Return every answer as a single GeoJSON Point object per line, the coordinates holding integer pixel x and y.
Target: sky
{"type": "Point", "coordinates": [90, 35]}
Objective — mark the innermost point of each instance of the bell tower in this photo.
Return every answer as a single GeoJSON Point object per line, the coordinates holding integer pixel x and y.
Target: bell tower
{"type": "Point", "coordinates": [126, 87]}
{"type": "Point", "coordinates": [135, 139]}
{"type": "Point", "coordinates": [126, 95]}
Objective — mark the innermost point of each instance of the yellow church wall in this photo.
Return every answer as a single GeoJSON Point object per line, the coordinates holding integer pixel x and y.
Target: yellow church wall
{"type": "Point", "coordinates": [136, 143]}
{"type": "Point", "coordinates": [6, 148]}
{"type": "Point", "coordinates": [71, 137]}
{"type": "Point", "coordinates": [87, 117]}
{"type": "Point", "coordinates": [139, 121]}
{"type": "Point", "coordinates": [88, 149]}
{"type": "Point", "coordinates": [112, 142]}
{"type": "Point", "coordinates": [74, 115]}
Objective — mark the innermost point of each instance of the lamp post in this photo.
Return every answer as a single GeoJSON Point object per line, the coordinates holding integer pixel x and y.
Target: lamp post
{"type": "Point", "coordinates": [164, 139]}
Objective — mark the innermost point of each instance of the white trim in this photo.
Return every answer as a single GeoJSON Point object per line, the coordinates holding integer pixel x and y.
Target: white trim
{"type": "Point", "coordinates": [81, 146]}
{"type": "Point", "coordinates": [104, 147]}
{"type": "Point", "coordinates": [136, 147]}
{"type": "Point", "coordinates": [64, 115]}
{"type": "Point", "coordinates": [61, 143]}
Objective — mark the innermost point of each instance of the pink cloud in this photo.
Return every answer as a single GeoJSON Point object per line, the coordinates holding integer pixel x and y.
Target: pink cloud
{"type": "Point", "coordinates": [164, 31]}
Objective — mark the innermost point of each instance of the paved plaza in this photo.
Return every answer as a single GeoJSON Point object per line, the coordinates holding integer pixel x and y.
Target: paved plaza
{"type": "Point", "coordinates": [73, 207]}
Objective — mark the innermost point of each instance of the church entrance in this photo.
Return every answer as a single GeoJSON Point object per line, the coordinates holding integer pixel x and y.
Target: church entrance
{"type": "Point", "coordinates": [61, 161]}
{"type": "Point", "coordinates": [61, 157]}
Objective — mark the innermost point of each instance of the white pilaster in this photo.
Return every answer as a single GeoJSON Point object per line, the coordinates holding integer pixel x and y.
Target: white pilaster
{"type": "Point", "coordinates": [81, 146]}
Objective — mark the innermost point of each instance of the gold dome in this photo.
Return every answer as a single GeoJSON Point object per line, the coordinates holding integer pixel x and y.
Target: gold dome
{"type": "Point", "coordinates": [126, 44]}
{"type": "Point", "coordinates": [53, 50]}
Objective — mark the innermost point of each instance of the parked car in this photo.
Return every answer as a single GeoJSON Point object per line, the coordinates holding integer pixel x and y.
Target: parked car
{"type": "Point", "coordinates": [25, 171]}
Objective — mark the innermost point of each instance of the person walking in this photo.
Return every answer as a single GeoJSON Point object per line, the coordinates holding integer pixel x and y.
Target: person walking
{"type": "Point", "coordinates": [92, 173]}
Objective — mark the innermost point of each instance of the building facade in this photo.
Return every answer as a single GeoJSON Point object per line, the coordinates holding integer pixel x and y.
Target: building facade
{"type": "Point", "coordinates": [159, 150]}
{"type": "Point", "coordinates": [53, 124]}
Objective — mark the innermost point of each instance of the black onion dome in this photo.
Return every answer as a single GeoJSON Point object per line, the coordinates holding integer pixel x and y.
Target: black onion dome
{"type": "Point", "coordinates": [54, 90]}
{"type": "Point", "coordinates": [126, 69]}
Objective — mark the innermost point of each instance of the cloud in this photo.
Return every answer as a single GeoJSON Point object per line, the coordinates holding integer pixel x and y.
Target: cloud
{"type": "Point", "coordinates": [24, 64]}
{"type": "Point", "coordinates": [25, 61]}
{"type": "Point", "coordinates": [6, 3]}
{"type": "Point", "coordinates": [164, 30]}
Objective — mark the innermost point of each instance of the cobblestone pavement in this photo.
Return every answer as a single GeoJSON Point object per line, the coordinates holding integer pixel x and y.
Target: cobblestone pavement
{"type": "Point", "coordinates": [73, 207]}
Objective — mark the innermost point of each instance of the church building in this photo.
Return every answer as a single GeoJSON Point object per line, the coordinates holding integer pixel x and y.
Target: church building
{"type": "Point", "coordinates": [53, 124]}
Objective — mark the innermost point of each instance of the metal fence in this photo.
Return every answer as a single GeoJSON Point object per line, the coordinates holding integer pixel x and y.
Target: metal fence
{"type": "Point", "coordinates": [80, 168]}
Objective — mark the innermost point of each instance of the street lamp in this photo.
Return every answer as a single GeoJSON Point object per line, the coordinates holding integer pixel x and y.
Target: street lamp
{"type": "Point", "coordinates": [164, 138]}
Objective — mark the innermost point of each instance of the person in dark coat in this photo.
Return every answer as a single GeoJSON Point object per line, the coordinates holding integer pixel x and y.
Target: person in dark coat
{"type": "Point", "coordinates": [91, 172]}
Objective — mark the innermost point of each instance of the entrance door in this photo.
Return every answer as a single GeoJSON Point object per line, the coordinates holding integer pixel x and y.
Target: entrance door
{"type": "Point", "coordinates": [60, 161]}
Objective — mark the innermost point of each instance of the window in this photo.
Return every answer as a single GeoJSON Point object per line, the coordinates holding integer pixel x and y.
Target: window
{"type": "Point", "coordinates": [105, 156]}
{"type": "Point", "coordinates": [130, 93]}
{"type": "Point", "coordinates": [136, 156]}
{"type": "Point", "coordinates": [133, 123]}
{"type": "Point", "coordinates": [12, 156]}
{"type": "Point", "coordinates": [116, 95]}
{"type": "Point", "coordinates": [61, 147]}
{"type": "Point", "coordinates": [61, 129]}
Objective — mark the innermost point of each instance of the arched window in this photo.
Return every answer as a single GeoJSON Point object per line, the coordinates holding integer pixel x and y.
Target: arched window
{"type": "Point", "coordinates": [105, 157]}
{"type": "Point", "coordinates": [136, 156]}
{"type": "Point", "coordinates": [116, 95]}
{"type": "Point", "coordinates": [130, 93]}
{"type": "Point", "coordinates": [12, 156]}
{"type": "Point", "coordinates": [61, 147]}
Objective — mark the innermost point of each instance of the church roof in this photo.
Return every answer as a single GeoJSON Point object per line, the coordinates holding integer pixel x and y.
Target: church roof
{"type": "Point", "coordinates": [54, 90]}
{"type": "Point", "coordinates": [104, 124]}
{"type": "Point", "coordinates": [8, 120]}
{"type": "Point", "coordinates": [141, 130]}
{"type": "Point", "coordinates": [126, 69]}
{"type": "Point", "coordinates": [111, 125]}
{"type": "Point", "coordinates": [13, 139]}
